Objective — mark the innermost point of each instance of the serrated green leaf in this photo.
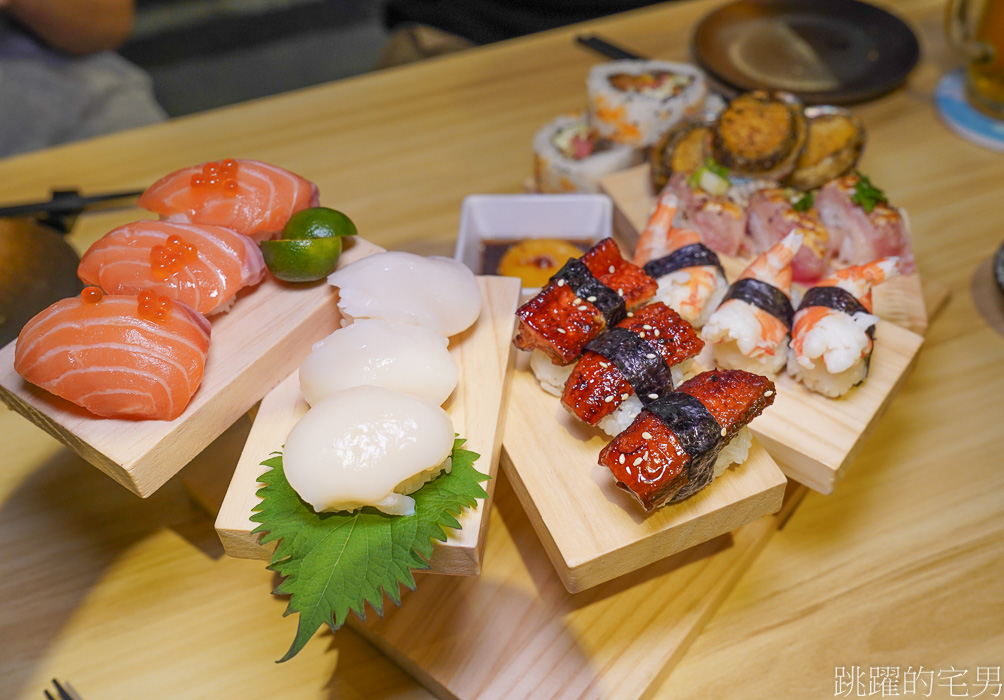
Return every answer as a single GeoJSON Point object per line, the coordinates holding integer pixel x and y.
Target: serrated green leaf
{"type": "Point", "coordinates": [866, 195]}
{"type": "Point", "coordinates": [334, 563]}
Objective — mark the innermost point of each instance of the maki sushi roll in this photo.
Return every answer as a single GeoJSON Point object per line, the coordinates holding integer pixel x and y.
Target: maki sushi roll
{"type": "Point", "coordinates": [568, 156]}
{"type": "Point", "coordinates": [630, 366]}
{"type": "Point", "coordinates": [751, 327]}
{"type": "Point", "coordinates": [584, 298]}
{"type": "Point", "coordinates": [636, 102]}
{"type": "Point", "coordinates": [833, 333]}
{"type": "Point", "coordinates": [679, 443]}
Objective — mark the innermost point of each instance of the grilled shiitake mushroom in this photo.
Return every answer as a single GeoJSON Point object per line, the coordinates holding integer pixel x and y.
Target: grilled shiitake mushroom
{"type": "Point", "coordinates": [835, 140]}
{"type": "Point", "coordinates": [682, 149]}
{"type": "Point", "coordinates": [760, 134]}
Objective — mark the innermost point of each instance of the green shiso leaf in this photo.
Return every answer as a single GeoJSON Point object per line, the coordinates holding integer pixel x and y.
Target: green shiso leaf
{"type": "Point", "coordinates": [334, 563]}
{"type": "Point", "coordinates": [866, 195]}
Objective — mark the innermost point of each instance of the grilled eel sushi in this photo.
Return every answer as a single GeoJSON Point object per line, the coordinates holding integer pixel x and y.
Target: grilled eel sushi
{"type": "Point", "coordinates": [584, 298]}
{"type": "Point", "coordinates": [630, 366]}
{"type": "Point", "coordinates": [683, 440]}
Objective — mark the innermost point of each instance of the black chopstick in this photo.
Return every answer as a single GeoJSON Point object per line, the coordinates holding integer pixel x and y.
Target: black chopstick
{"type": "Point", "coordinates": [604, 47]}
{"type": "Point", "coordinates": [63, 202]}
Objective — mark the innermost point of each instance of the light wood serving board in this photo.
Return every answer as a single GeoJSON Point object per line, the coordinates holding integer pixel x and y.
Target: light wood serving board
{"type": "Point", "coordinates": [477, 407]}
{"type": "Point", "coordinates": [515, 632]}
{"type": "Point", "coordinates": [592, 530]}
{"type": "Point", "coordinates": [899, 300]}
{"type": "Point", "coordinates": [813, 438]}
{"type": "Point", "coordinates": [260, 341]}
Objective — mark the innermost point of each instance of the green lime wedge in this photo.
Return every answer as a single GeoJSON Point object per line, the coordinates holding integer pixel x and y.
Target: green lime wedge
{"type": "Point", "coordinates": [318, 222]}
{"type": "Point", "coordinates": [302, 260]}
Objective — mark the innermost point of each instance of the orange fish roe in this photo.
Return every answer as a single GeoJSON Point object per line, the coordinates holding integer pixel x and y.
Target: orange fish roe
{"type": "Point", "coordinates": [165, 260]}
{"type": "Point", "coordinates": [153, 306]}
{"type": "Point", "coordinates": [220, 175]}
{"type": "Point", "coordinates": [91, 295]}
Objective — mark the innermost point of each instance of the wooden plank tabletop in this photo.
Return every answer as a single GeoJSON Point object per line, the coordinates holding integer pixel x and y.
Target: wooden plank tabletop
{"type": "Point", "coordinates": [902, 566]}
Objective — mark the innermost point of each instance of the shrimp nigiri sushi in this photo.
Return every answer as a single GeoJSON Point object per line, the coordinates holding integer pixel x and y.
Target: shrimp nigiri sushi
{"type": "Point", "coordinates": [690, 275]}
{"type": "Point", "coordinates": [253, 198]}
{"type": "Point", "coordinates": [117, 356]}
{"type": "Point", "coordinates": [751, 327]}
{"type": "Point", "coordinates": [584, 298]}
{"type": "Point", "coordinates": [630, 366]}
{"type": "Point", "coordinates": [202, 266]}
{"type": "Point", "coordinates": [832, 335]}
{"type": "Point", "coordinates": [678, 444]}
{"type": "Point", "coordinates": [367, 446]}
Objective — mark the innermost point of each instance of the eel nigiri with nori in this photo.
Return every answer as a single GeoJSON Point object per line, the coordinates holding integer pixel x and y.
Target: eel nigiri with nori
{"type": "Point", "coordinates": [630, 366]}
{"type": "Point", "coordinates": [679, 443]}
{"type": "Point", "coordinates": [584, 298]}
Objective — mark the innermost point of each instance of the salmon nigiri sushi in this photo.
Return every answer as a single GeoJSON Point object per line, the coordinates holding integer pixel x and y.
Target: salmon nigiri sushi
{"type": "Point", "coordinates": [248, 196]}
{"type": "Point", "coordinates": [117, 356]}
{"type": "Point", "coordinates": [202, 266]}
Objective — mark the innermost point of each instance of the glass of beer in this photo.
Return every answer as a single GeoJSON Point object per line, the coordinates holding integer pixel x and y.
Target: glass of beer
{"type": "Point", "coordinates": [976, 28]}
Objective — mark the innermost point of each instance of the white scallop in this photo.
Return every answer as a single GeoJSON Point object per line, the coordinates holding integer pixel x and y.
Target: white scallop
{"type": "Point", "coordinates": [367, 446]}
{"type": "Point", "coordinates": [409, 359]}
{"type": "Point", "coordinates": [435, 292]}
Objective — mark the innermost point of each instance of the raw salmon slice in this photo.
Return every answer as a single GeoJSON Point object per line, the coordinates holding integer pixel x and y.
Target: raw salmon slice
{"type": "Point", "coordinates": [248, 196]}
{"type": "Point", "coordinates": [113, 358]}
{"type": "Point", "coordinates": [202, 266]}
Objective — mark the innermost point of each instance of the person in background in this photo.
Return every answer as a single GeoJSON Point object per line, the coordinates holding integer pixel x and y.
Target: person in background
{"type": "Point", "coordinates": [60, 79]}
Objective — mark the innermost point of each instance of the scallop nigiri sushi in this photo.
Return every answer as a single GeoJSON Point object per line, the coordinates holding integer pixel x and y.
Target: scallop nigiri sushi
{"type": "Point", "coordinates": [202, 266]}
{"type": "Point", "coordinates": [117, 356]}
{"type": "Point", "coordinates": [367, 446]}
{"type": "Point", "coordinates": [253, 198]}
{"type": "Point", "coordinates": [438, 293]}
{"type": "Point", "coordinates": [406, 358]}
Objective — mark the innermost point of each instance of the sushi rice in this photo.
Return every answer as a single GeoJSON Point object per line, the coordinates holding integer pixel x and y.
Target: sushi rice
{"type": "Point", "coordinates": [736, 334]}
{"type": "Point", "coordinates": [640, 118]}
{"type": "Point", "coordinates": [833, 354]}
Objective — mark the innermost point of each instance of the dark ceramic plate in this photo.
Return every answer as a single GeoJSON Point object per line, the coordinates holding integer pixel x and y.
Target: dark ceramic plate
{"type": "Point", "coordinates": [824, 51]}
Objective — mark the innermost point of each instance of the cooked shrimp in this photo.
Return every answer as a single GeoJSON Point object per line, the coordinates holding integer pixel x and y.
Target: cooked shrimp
{"type": "Point", "coordinates": [692, 290]}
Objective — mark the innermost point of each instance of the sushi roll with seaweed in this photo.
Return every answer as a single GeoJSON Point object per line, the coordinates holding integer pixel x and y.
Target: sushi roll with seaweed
{"type": "Point", "coordinates": [636, 102]}
{"type": "Point", "coordinates": [569, 156]}
{"type": "Point", "coordinates": [833, 332]}
{"type": "Point", "coordinates": [630, 366]}
{"type": "Point", "coordinates": [751, 328]}
{"type": "Point", "coordinates": [584, 298]}
{"type": "Point", "coordinates": [690, 275]}
{"type": "Point", "coordinates": [679, 443]}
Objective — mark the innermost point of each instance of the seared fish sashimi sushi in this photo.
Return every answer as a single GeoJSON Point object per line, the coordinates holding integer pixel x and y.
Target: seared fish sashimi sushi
{"type": "Point", "coordinates": [367, 446]}
{"type": "Point", "coordinates": [639, 358]}
{"type": "Point", "coordinates": [202, 266]}
{"type": "Point", "coordinates": [583, 298]}
{"type": "Point", "coordinates": [248, 196]}
{"type": "Point", "coordinates": [690, 275]}
{"type": "Point", "coordinates": [772, 216]}
{"type": "Point", "coordinates": [833, 331]}
{"type": "Point", "coordinates": [433, 292]}
{"type": "Point", "coordinates": [863, 224]}
{"type": "Point", "coordinates": [679, 443]}
{"type": "Point", "coordinates": [718, 218]}
{"type": "Point", "coordinates": [117, 356]}
{"type": "Point", "coordinates": [751, 327]}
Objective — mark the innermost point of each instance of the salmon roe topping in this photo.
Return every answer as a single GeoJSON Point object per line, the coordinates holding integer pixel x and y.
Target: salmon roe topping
{"type": "Point", "coordinates": [91, 295]}
{"type": "Point", "coordinates": [153, 306]}
{"type": "Point", "coordinates": [217, 176]}
{"type": "Point", "coordinates": [165, 260]}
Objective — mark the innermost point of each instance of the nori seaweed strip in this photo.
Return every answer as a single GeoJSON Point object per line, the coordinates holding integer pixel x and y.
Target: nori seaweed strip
{"type": "Point", "coordinates": [763, 295]}
{"type": "Point", "coordinates": [699, 433]}
{"type": "Point", "coordinates": [841, 300]}
{"type": "Point", "coordinates": [581, 280]}
{"type": "Point", "coordinates": [637, 359]}
{"type": "Point", "coordinates": [693, 255]}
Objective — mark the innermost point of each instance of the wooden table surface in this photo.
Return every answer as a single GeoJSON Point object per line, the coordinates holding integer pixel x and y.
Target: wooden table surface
{"type": "Point", "coordinates": [902, 566]}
